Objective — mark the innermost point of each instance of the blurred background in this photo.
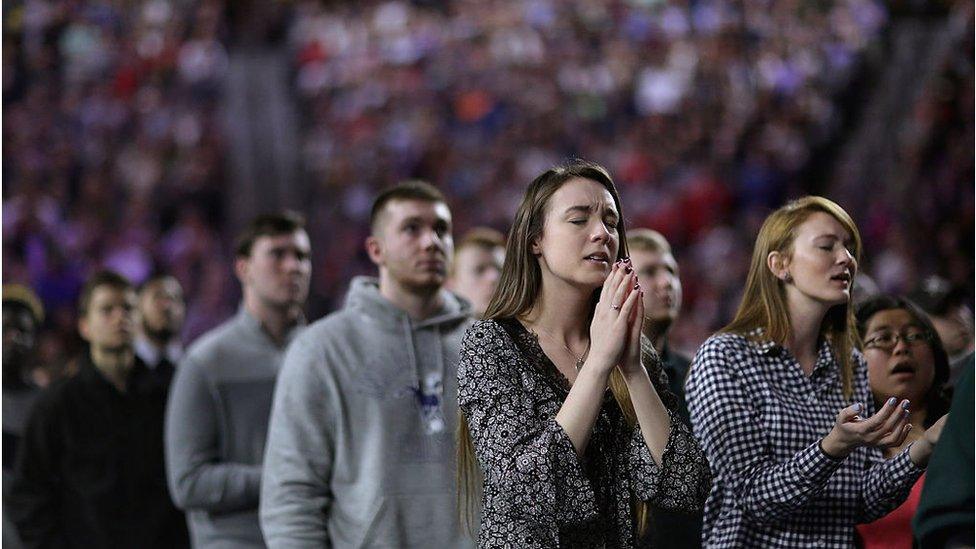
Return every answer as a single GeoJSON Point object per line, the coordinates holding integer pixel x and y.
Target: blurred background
{"type": "Point", "coordinates": [141, 135]}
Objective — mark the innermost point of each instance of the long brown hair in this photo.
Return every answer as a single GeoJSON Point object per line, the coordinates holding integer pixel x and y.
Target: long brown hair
{"type": "Point", "coordinates": [518, 289]}
{"type": "Point", "coordinates": [764, 299]}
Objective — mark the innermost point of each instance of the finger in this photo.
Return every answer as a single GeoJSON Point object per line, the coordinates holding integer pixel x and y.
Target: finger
{"type": "Point", "coordinates": [637, 321]}
{"type": "Point", "coordinates": [877, 421]}
{"type": "Point", "coordinates": [620, 293]}
{"type": "Point", "coordinates": [851, 413]}
{"type": "Point", "coordinates": [605, 292]}
{"type": "Point", "coordinates": [627, 309]}
{"type": "Point", "coordinates": [896, 421]}
{"type": "Point", "coordinates": [896, 438]}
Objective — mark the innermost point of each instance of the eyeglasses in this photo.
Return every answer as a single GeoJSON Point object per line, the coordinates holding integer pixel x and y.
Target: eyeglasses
{"type": "Point", "coordinates": [886, 341]}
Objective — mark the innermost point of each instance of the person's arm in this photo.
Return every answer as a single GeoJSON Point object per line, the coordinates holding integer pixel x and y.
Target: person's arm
{"type": "Point", "coordinates": [529, 461]}
{"type": "Point", "coordinates": [35, 496]}
{"type": "Point", "coordinates": [295, 492]}
{"type": "Point", "coordinates": [197, 478]}
{"type": "Point", "coordinates": [677, 476]}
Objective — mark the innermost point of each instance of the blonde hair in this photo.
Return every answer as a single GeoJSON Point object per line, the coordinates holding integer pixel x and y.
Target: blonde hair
{"type": "Point", "coordinates": [763, 304]}
{"type": "Point", "coordinates": [518, 288]}
{"type": "Point", "coordinates": [648, 240]}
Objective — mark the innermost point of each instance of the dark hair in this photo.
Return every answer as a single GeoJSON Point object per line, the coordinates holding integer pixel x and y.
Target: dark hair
{"type": "Point", "coordinates": [111, 279]}
{"type": "Point", "coordinates": [273, 224]}
{"type": "Point", "coordinates": [407, 190]}
{"type": "Point", "coordinates": [482, 237]}
{"type": "Point", "coordinates": [937, 399]}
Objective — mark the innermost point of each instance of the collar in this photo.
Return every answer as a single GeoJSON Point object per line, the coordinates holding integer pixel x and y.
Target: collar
{"type": "Point", "coordinates": [253, 325]}
{"type": "Point", "coordinates": [152, 355]}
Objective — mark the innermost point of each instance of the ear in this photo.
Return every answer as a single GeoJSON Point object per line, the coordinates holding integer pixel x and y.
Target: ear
{"type": "Point", "coordinates": [534, 247]}
{"type": "Point", "coordinates": [83, 328]}
{"type": "Point", "coordinates": [374, 249]}
{"type": "Point", "coordinates": [778, 264]}
{"type": "Point", "coordinates": [241, 265]}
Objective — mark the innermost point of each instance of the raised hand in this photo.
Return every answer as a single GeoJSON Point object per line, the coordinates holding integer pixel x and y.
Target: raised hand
{"type": "Point", "coordinates": [885, 429]}
{"type": "Point", "coordinates": [922, 449]}
{"type": "Point", "coordinates": [611, 331]}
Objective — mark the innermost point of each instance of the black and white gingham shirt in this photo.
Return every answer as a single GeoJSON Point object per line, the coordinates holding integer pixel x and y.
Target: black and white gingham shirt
{"type": "Point", "coordinates": [760, 420]}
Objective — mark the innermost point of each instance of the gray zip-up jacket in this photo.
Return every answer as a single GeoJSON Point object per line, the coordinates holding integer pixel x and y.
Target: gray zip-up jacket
{"type": "Point", "coordinates": [216, 427]}
{"type": "Point", "coordinates": [361, 447]}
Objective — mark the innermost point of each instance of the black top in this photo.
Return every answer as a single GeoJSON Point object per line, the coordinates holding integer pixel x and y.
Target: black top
{"type": "Point", "coordinates": [90, 470]}
{"type": "Point", "coordinates": [676, 366]}
{"type": "Point", "coordinates": [537, 491]}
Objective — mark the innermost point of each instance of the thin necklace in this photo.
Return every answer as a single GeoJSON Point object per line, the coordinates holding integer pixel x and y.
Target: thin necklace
{"type": "Point", "coordinates": [579, 358]}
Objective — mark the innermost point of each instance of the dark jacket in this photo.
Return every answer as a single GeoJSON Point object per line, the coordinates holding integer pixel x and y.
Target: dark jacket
{"type": "Point", "coordinates": [90, 470]}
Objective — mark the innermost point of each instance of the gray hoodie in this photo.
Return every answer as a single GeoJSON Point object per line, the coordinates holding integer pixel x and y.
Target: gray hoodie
{"type": "Point", "coordinates": [360, 448]}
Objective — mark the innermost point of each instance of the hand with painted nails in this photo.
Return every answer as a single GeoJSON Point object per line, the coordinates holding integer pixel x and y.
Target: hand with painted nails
{"type": "Point", "coordinates": [921, 450]}
{"type": "Point", "coordinates": [612, 331]}
{"type": "Point", "coordinates": [885, 429]}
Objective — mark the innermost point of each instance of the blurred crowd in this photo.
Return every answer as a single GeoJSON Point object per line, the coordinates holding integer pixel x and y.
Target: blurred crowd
{"type": "Point", "coordinates": [707, 113]}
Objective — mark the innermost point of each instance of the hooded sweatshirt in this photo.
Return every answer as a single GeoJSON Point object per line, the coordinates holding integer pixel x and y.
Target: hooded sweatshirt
{"type": "Point", "coordinates": [360, 448]}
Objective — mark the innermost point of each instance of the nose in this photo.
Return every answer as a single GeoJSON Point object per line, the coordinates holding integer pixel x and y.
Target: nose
{"type": "Point", "coordinates": [601, 233]}
{"type": "Point", "coordinates": [432, 240]}
{"type": "Point", "coordinates": [901, 346]}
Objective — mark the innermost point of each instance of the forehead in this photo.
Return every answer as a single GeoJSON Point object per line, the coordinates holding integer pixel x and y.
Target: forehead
{"type": "Point", "coordinates": [642, 257]}
{"type": "Point", "coordinates": [111, 295]}
{"type": "Point", "coordinates": [476, 253]}
{"type": "Point", "coordinates": [396, 211]}
{"type": "Point", "coordinates": [822, 224]}
{"type": "Point", "coordinates": [298, 239]}
{"type": "Point", "coordinates": [891, 319]}
{"type": "Point", "coordinates": [16, 314]}
{"type": "Point", "coordinates": [581, 192]}
{"type": "Point", "coordinates": [167, 285]}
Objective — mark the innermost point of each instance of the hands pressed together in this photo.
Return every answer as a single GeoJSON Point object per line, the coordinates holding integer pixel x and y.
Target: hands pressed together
{"type": "Point", "coordinates": [887, 428]}
{"type": "Point", "coordinates": [617, 321]}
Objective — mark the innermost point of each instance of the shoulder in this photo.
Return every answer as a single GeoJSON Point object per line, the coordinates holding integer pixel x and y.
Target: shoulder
{"type": "Point", "coordinates": [212, 345]}
{"type": "Point", "coordinates": [488, 334]}
{"type": "Point", "coordinates": [722, 346]}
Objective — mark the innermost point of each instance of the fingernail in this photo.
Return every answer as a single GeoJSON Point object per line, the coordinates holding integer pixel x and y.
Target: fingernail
{"type": "Point", "coordinates": [905, 405]}
{"type": "Point", "coordinates": [892, 401]}
{"type": "Point", "coordinates": [857, 408]}
{"type": "Point", "coordinates": [627, 269]}
{"type": "Point", "coordinates": [637, 286]}
{"type": "Point", "coordinates": [626, 260]}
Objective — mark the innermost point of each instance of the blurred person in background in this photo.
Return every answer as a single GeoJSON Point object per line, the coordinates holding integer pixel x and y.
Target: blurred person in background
{"type": "Point", "coordinates": [781, 403]}
{"type": "Point", "coordinates": [905, 359]}
{"type": "Point", "coordinates": [220, 399]}
{"type": "Point", "coordinates": [952, 317]}
{"type": "Point", "coordinates": [654, 263]}
{"type": "Point", "coordinates": [90, 469]}
{"type": "Point", "coordinates": [23, 315]}
{"type": "Point", "coordinates": [361, 444]}
{"type": "Point", "coordinates": [161, 314]}
{"type": "Point", "coordinates": [477, 264]}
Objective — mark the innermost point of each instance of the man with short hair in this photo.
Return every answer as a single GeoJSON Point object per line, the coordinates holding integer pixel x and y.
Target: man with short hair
{"type": "Point", "coordinates": [161, 314]}
{"type": "Point", "coordinates": [361, 446]}
{"type": "Point", "coordinates": [90, 471]}
{"type": "Point", "coordinates": [478, 262]}
{"type": "Point", "coordinates": [220, 399]}
{"type": "Point", "coordinates": [22, 318]}
{"type": "Point", "coordinates": [650, 254]}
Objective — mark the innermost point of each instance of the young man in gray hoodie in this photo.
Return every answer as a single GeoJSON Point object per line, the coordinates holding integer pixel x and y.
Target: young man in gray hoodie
{"type": "Point", "coordinates": [220, 399]}
{"type": "Point", "coordinates": [361, 447]}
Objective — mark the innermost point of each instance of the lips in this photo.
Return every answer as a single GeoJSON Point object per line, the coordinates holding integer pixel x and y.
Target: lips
{"type": "Point", "coordinates": [844, 278]}
{"type": "Point", "coordinates": [599, 257]}
{"type": "Point", "coordinates": [903, 368]}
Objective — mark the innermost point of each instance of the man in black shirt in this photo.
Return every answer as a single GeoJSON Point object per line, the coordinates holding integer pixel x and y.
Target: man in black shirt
{"type": "Point", "coordinates": [90, 470]}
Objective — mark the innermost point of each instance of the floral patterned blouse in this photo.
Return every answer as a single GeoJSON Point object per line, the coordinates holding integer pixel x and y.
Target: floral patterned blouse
{"type": "Point", "coordinates": [537, 491]}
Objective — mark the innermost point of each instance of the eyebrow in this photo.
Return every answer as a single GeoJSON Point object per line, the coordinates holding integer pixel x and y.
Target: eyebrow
{"type": "Point", "coordinates": [832, 236]}
{"type": "Point", "coordinates": [582, 208]}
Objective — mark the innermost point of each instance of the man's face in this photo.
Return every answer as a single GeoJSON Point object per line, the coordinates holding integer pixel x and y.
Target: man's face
{"type": "Point", "coordinates": [413, 243]}
{"type": "Point", "coordinates": [19, 334]}
{"type": "Point", "coordinates": [658, 274]}
{"type": "Point", "coordinates": [278, 270]}
{"type": "Point", "coordinates": [109, 322]}
{"type": "Point", "coordinates": [162, 308]}
{"type": "Point", "coordinates": [476, 272]}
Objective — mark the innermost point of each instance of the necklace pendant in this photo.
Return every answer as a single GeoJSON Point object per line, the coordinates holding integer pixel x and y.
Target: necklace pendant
{"type": "Point", "coordinates": [579, 363]}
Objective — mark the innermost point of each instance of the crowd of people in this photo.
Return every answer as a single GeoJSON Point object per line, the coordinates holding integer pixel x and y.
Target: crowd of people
{"type": "Point", "coordinates": [710, 114]}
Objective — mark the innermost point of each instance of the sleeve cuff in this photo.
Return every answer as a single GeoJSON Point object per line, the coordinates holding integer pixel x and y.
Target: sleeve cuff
{"type": "Point", "coordinates": [815, 465]}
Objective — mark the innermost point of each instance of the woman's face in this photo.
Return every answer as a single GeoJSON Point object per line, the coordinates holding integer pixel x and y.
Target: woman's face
{"type": "Point", "coordinates": [905, 370]}
{"type": "Point", "coordinates": [821, 263]}
{"type": "Point", "coordinates": [579, 238]}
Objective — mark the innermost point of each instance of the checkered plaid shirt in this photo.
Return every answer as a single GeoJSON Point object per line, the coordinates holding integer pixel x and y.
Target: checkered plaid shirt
{"type": "Point", "coordinates": [760, 420]}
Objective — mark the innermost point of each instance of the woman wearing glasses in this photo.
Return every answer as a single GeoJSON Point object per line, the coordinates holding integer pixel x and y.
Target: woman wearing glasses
{"type": "Point", "coordinates": [905, 358]}
{"type": "Point", "coordinates": [780, 402]}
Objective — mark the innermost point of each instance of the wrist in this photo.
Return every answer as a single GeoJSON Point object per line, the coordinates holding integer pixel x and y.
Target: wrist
{"type": "Point", "coordinates": [833, 448]}
{"type": "Point", "coordinates": [920, 451]}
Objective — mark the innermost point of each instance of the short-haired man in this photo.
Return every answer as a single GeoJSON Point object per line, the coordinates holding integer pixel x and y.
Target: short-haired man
{"type": "Point", "coordinates": [220, 399]}
{"type": "Point", "coordinates": [90, 470]}
{"type": "Point", "coordinates": [22, 318]}
{"type": "Point", "coordinates": [651, 256]}
{"type": "Point", "coordinates": [161, 314]}
{"type": "Point", "coordinates": [361, 444]}
{"type": "Point", "coordinates": [477, 266]}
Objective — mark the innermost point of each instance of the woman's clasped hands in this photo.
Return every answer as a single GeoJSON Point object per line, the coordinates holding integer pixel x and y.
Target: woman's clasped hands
{"type": "Point", "coordinates": [617, 320]}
